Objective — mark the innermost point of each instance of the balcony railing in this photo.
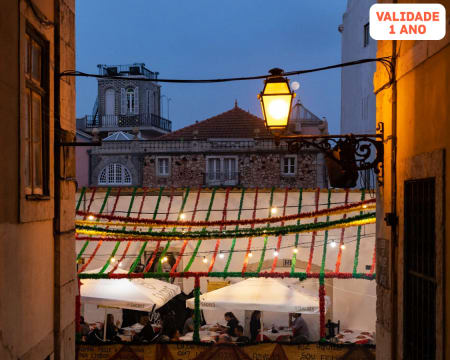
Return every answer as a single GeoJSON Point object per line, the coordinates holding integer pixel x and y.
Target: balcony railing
{"type": "Point", "coordinates": [127, 121]}
{"type": "Point", "coordinates": [222, 178]}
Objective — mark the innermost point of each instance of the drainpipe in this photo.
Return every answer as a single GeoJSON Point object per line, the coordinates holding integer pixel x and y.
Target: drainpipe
{"type": "Point", "coordinates": [394, 217]}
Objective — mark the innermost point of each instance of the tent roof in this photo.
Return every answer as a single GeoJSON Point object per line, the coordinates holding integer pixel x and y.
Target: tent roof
{"type": "Point", "coordinates": [135, 294]}
{"type": "Point", "coordinates": [259, 294]}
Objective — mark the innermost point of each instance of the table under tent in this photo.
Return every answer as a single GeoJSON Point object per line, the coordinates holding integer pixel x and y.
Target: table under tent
{"type": "Point", "coordinates": [188, 236]}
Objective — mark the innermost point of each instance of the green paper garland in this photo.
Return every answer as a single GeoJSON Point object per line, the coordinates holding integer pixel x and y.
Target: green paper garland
{"type": "Point", "coordinates": [294, 255]}
{"type": "Point", "coordinates": [263, 253]}
{"type": "Point", "coordinates": [183, 204]}
{"type": "Point", "coordinates": [237, 227]}
{"type": "Point", "coordinates": [208, 213]}
{"type": "Point", "coordinates": [116, 247]}
{"type": "Point", "coordinates": [325, 240]}
{"type": "Point", "coordinates": [144, 245]}
{"type": "Point", "coordinates": [83, 249]}
{"type": "Point", "coordinates": [358, 238]}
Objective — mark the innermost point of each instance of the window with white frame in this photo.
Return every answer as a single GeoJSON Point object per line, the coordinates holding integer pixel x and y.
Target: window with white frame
{"type": "Point", "coordinates": [114, 174]}
{"type": "Point", "coordinates": [130, 101]}
{"type": "Point", "coordinates": [221, 170]}
{"type": "Point", "coordinates": [289, 165]}
{"type": "Point", "coordinates": [163, 166]}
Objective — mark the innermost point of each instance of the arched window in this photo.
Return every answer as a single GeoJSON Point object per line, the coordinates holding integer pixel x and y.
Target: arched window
{"type": "Point", "coordinates": [130, 101]}
{"type": "Point", "coordinates": [114, 174]}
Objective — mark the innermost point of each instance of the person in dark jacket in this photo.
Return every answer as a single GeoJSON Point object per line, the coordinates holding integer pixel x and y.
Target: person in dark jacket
{"type": "Point", "coordinates": [232, 322]}
{"type": "Point", "coordinates": [241, 339]}
{"type": "Point", "coordinates": [255, 325]}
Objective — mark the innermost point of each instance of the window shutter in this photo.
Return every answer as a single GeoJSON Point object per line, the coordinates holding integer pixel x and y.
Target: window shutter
{"type": "Point", "coordinates": [123, 102]}
{"type": "Point", "coordinates": [136, 100]}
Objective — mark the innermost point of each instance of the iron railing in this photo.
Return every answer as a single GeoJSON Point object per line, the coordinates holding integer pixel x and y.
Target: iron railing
{"type": "Point", "coordinates": [129, 121]}
{"type": "Point", "coordinates": [222, 178]}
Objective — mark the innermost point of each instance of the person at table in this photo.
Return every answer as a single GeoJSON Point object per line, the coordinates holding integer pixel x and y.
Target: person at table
{"type": "Point", "coordinates": [300, 331]}
{"type": "Point", "coordinates": [147, 334]}
{"type": "Point", "coordinates": [189, 324]}
{"type": "Point", "coordinates": [232, 322]}
{"type": "Point", "coordinates": [111, 328]}
{"type": "Point", "coordinates": [255, 325]}
{"type": "Point", "coordinates": [239, 332]}
{"type": "Point", "coordinates": [84, 328]}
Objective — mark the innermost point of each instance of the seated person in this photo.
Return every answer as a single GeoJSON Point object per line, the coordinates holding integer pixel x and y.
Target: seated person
{"type": "Point", "coordinates": [84, 329]}
{"type": "Point", "coordinates": [147, 334]}
{"type": "Point", "coordinates": [189, 324]}
{"type": "Point", "coordinates": [232, 322]}
{"type": "Point", "coordinates": [111, 328]}
{"type": "Point", "coordinates": [255, 325]}
{"type": "Point", "coordinates": [300, 330]}
{"type": "Point", "coordinates": [239, 332]}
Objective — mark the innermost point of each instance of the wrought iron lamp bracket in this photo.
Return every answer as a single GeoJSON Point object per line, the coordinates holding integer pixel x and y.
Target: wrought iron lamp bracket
{"type": "Point", "coordinates": [352, 151]}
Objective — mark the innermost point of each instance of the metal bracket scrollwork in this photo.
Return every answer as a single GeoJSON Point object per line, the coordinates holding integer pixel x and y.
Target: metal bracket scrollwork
{"type": "Point", "coordinates": [351, 152]}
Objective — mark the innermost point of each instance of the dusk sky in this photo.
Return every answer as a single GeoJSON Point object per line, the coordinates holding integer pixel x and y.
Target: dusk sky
{"type": "Point", "coordinates": [201, 39]}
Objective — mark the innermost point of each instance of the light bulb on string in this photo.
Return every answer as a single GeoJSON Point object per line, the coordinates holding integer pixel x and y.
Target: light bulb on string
{"type": "Point", "coordinates": [205, 260]}
{"type": "Point", "coordinates": [273, 210]}
{"type": "Point", "coordinates": [333, 244]}
{"type": "Point", "coordinates": [295, 250]}
{"type": "Point", "coordinates": [113, 259]}
{"type": "Point", "coordinates": [343, 247]}
{"type": "Point", "coordinates": [91, 217]}
{"type": "Point", "coordinates": [182, 216]}
{"type": "Point", "coordinates": [364, 206]}
{"type": "Point", "coordinates": [250, 254]}
{"type": "Point", "coordinates": [221, 255]}
{"type": "Point", "coordinates": [120, 264]}
{"type": "Point", "coordinates": [275, 253]}
{"type": "Point", "coordinates": [164, 259]}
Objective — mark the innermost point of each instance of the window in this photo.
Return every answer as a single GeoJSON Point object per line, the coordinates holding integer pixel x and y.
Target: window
{"type": "Point", "coordinates": [221, 171]}
{"type": "Point", "coordinates": [115, 174]}
{"type": "Point", "coordinates": [130, 101]}
{"type": "Point", "coordinates": [419, 328]}
{"type": "Point", "coordinates": [36, 116]}
{"type": "Point", "coordinates": [162, 166]}
{"type": "Point", "coordinates": [288, 165]}
{"type": "Point", "coordinates": [366, 35]}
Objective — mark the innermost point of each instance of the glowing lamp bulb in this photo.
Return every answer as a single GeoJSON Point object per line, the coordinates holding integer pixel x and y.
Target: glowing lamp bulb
{"type": "Point", "coordinates": [120, 264]}
{"type": "Point", "coordinates": [343, 247]}
{"type": "Point", "coordinates": [164, 259]}
{"type": "Point", "coordinates": [91, 217]}
{"type": "Point", "coordinates": [333, 244]}
{"type": "Point", "coordinates": [364, 206]}
{"type": "Point", "coordinates": [113, 259]}
{"type": "Point", "coordinates": [250, 254]}
{"type": "Point", "coordinates": [278, 109]}
{"type": "Point", "coordinates": [205, 260]}
{"type": "Point", "coordinates": [221, 255]}
{"type": "Point", "coordinates": [274, 210]}
{"type": "Point", "coordinates": [182, 216]}
{"type": "Point", "coordinates": [275, 253]}
{"type": "Point", "coordinates": [295, 250]}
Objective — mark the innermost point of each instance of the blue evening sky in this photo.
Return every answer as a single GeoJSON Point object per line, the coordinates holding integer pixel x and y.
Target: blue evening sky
{"type": "Point", "coordinates": [199, 39]}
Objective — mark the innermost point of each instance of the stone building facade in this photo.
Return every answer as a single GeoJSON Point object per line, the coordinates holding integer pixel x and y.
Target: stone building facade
{"type": "Point", "coordinates": [127, 104]}
{"type": "Point", "coordinates": [37, 189]}
{"type": "Point", "coordinates": [230, 149]}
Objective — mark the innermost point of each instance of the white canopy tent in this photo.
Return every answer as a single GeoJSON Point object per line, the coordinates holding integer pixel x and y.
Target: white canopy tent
{"type": "Point", "coordinates": [259, 294]}
{"type": "Point", "coordinates": [135, 294]}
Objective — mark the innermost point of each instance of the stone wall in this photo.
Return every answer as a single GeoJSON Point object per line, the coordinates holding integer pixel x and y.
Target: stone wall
{"type": "Point", "coordinates": [257, 169]}
{"type": "Point", "coordinates": [117, 85]}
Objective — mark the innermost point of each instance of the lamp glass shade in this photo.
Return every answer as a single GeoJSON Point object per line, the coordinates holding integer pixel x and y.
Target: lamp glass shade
{"type": "Point", "coordinates": [276, 102]}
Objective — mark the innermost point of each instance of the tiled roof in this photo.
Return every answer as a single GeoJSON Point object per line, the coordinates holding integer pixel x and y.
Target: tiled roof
{"type": "Point", "coordinates": [234, 123]}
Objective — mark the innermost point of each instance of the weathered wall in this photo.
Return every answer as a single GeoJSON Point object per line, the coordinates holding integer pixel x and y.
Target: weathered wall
{"type": "Point", "coordinates": [36, 267]}
{"type": "Point", "coordinates": [422, 132]}
{"type": "Point", "coordinates": [255, 169]}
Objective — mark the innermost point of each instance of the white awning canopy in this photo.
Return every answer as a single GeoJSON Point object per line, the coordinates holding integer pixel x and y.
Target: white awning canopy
{"type": "Point", "coordinates": [135, 294]}
{"type": "Point", "coordinates": [259, 294]}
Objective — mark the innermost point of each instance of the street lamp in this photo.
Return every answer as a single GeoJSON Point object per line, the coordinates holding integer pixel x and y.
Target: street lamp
{"type": "Point", "coordinates": [345, 155]}
{"type": "Point", "coordinates": [276, 101]}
